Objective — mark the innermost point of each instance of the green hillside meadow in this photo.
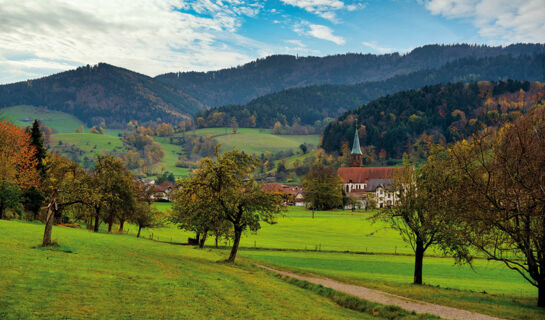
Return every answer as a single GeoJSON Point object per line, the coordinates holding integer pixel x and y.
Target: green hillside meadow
{"type": "Point", "coordinates": [111, 276]}
{"type": "Point", "coordinates": [24, 115]}
{"type": "Point", "coordinates": [255, 141]}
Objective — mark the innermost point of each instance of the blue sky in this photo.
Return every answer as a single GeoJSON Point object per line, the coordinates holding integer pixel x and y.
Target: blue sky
{"type": "Point", "coordinates": [38, 37]}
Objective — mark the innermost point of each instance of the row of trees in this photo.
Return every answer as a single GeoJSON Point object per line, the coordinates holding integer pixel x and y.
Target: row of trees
{"type": "Point", "coordinates": [31, 177]}
{"type": "Point", "coordinates": [484, 195]}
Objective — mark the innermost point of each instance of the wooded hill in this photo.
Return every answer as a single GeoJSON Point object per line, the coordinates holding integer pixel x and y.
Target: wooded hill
{"type": "Point", "coordinates": [112, 96]}
{"type": "Point", "coordinates": [406, 121]}
{"type": "Point", "coordinates": [241, 84]}
{"type": "Point", "coordinates": [316, 103]}
{"type": "Point", "coordinates": [103, 94]}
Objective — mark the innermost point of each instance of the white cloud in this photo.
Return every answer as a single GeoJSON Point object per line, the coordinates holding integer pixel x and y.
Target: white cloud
{"type": "Point", "coordinates": [149, 36]}
{"type": "Point", "coordinates": [378, 48]}
{"type": "Point", "coordinates": [324, 33]}
{"type": "Point", "coordinates": [324, 8]}
{"type": "Point", "coordinates": [507, 20]}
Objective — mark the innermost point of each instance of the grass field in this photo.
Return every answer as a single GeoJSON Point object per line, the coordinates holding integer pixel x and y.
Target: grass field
{"type": "Point", "coordinates": [24, 116]}
{"type": "Point", "coordinates": [255, 141]}
{"type": "Point", "coordinates": [109, 276]}
{"type": "Point", "coordinates": [91, 143]}
{"type": "Point", "coordinates": [172, 152]}
{"type": "Point", "coordinates": [340, 230]}
{"type": "Point", "coordinates": [489, 287]}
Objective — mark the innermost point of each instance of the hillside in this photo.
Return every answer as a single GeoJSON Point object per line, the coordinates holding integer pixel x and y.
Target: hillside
{"type": "Point", "coordinates": [112, 276]}
{"type": "Point", "coordinates": [103, 93]}
{"type": "Point", "coordinates": [241, 84]}
{"type": "Point", "coordinates": [316, 103]}
{"type": "Point", "coordinates": [404, 121]}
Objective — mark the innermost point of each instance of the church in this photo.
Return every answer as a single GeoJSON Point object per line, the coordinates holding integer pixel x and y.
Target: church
{"type": "Point", "coordinates": [361, 183]}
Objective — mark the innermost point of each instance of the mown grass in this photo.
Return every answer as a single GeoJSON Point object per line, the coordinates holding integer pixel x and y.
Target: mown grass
{"type": "Point", "coordinates": [284, 243]}
{"type": "Point", "coordinates": [112, 276]}
{"type": "Point", "coordinates": [338, 230]}
{"type": "Point", "coordinates": [490, 288]}
{"type": "Point", "coordinates": [24, 116]}
{"type": "Point", "coordinates": [255, 141]}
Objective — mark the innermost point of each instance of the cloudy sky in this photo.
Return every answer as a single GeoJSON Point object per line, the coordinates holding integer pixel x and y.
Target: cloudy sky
{"type": "Point", "coordinates": [40, 37]}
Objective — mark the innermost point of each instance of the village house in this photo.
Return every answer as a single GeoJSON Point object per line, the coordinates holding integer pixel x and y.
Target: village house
{"type": "Point", "coordinates": [361, 184]}
{"type": "Point", "coordinates": [163, 191]}
{"type": "Point", "coordinates": [292, 194]}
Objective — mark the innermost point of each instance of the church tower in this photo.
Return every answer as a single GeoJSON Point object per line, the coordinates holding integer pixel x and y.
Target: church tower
{"type": "Point", "coordinates": [356, 157]}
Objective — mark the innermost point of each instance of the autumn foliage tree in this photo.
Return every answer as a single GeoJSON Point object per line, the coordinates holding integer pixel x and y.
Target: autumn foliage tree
{"type": "Point", "coordinates": [17, 157]}
{"type": "Point", "coordinates": [501, 195]}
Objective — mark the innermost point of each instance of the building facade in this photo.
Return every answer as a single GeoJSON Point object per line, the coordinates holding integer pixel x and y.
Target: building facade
{"type": "Point", "coordinates": [367, 186]}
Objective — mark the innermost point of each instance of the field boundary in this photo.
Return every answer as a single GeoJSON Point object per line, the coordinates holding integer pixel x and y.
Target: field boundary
{"type": "Point", "coordinates": [386, 298]}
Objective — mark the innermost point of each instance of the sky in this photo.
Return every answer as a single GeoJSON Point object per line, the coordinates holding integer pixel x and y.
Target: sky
{"type": "Point", "coordinates": [39, 38]}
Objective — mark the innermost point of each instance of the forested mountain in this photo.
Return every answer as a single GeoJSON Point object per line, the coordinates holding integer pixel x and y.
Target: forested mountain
{"type": "Point", "coordinates": [406, 121]}
{"type": "Point", "coordinates": [103, 93]}
{"type": "Point", "coordinates": [241, 84]}
{"type": "Point", "coordinates": [112, 96]}
{"type": "Point", "coordinates": [316, 103]}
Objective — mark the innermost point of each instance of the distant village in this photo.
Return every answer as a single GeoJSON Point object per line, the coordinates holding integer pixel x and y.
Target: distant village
{"type": "Point", "coordinates": [366, 187]}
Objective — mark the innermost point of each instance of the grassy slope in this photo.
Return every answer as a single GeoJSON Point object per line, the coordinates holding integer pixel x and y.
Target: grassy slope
{"type": "Point", "coordinates": [24, 115]}
{"type": "Point", "coordinates": [103, 276]}
{"type": "Point", "coordinates": [255, 141]}
{"type": "Point", "coordinates": [91, 143]}
{"type": "Point", "coordinates": [172, 152]}
{"type": "Point", "coordinates": [343, 230]}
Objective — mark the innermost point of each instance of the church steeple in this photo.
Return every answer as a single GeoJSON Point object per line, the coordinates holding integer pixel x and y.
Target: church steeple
{"type": "Point", "coordinates": [356, 157]}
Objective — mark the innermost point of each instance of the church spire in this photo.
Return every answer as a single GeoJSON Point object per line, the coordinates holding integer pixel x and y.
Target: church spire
{"type": "Point", "coordinates": [356, 149]}
{"type": "Point", "coordinates": [356, 157]}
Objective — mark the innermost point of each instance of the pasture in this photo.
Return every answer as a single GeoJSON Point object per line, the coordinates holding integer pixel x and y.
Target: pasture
{"type": "Point", "coordinates": [113, 276]}
{"type": "Point", "coordinates": [298, 242]}
{"type": "Point", "coordinates": [255, 141]}
{"type": "Point", "coordinates": [92, 144]}
{"type": "Point", "coordinates": [23, 116]}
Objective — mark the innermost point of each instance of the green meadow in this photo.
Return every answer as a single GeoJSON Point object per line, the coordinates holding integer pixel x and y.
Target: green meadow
{"type": "Point", "coordinates": [340, 230]}
{"type": "Point", "coordinates": [319, 246]}
{"type": "Point", "coordinates": [112, 276]}
{"type": "Point", "coordinates": [24, 116]}
{"type": "Point", "coordinates": [91, 144]}
{"type": "Point", "coordinates": [255, 141]}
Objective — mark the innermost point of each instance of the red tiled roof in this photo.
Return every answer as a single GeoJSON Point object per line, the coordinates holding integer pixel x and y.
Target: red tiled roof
{"type": "Point", "coordinates": [364, 174]}
{"type": "Point", "coordinates": [282, 188]}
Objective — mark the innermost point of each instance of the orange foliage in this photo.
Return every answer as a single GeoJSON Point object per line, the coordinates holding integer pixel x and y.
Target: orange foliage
{"type": "Point", "coordinates": [17, 162]}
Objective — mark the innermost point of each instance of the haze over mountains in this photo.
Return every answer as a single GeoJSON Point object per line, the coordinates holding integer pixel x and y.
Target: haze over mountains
{"type": "Point", "coordinates": [114, 96]}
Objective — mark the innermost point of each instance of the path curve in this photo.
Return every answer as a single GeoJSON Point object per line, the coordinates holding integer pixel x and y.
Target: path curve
{"type": "Point", "coordinates": [390, 299]}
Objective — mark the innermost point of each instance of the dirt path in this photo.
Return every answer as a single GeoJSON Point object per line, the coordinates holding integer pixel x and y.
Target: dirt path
{"type": "Point", "coordinates": [390, 299]}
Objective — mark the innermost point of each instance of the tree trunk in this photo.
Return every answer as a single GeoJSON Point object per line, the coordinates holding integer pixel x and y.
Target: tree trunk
{"type": "Point", "coordinates": [139, 229]}
{"type": "Point", "coordinates": [110, 222]}
{"type": "Point", "coordinates": [236, 241]}
{"type": "Point", "coordinates": [198, 237]}
{"type": "Point", "coordinates": [97, 218]}
{"type": "Point", "coordinates": [418, 261]}
{"type": "Point", "coordinates": [1, 210]}
{"type": "Point", "coordinates": [203, 239]}
{"type": "Point", "coordinates": [49, 223]}
{"type": "Point", "coordinates": [121, 223]}
{"type": "Point", "coordinates": [217, 240]}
